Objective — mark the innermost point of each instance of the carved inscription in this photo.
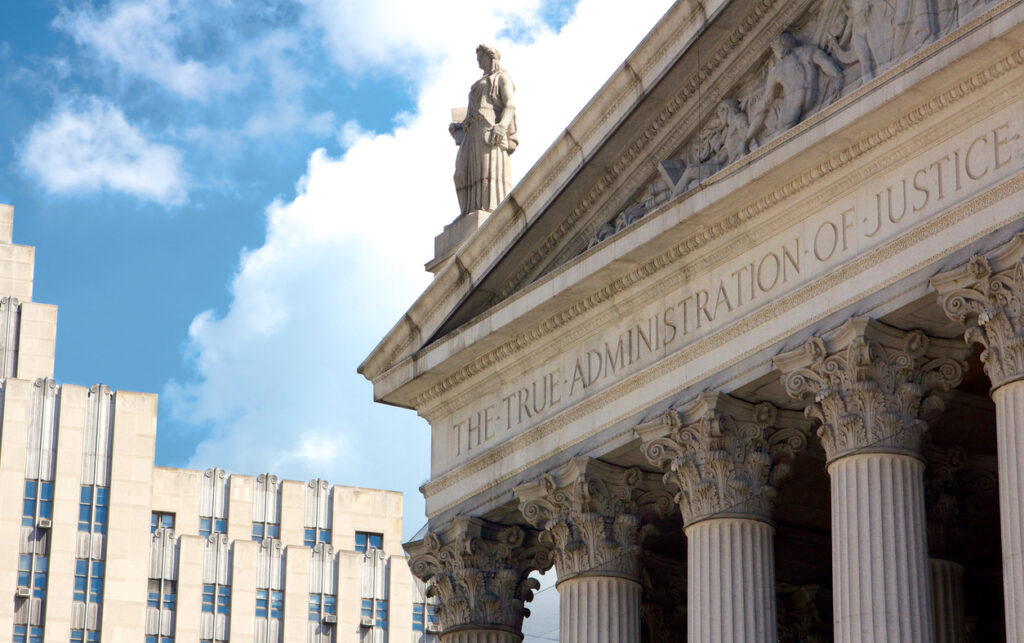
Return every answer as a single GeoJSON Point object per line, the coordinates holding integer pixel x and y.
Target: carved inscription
{"type": "Point", "coordinates": [903, 198]}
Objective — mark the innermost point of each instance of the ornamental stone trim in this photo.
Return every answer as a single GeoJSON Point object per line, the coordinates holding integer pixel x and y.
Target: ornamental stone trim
{"type": "Point", "coordinates": [591, 514]}
{"type": "Point", "coordinates": [727, 457]}
{"type": "Point", "coordinates": [986, 295]}
{"type": "Point", "coordinates": [479, 571]}
{"type": "Point", "coordinates": [871, 385]}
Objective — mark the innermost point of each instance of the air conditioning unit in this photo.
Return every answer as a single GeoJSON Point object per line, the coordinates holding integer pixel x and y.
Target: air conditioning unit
{"type": "Point", "coordinates": [45, 523]}
{"type": "Point", "coordinates": [330, 619]}
{"type": "Point", "coordinates": [433, 629]}
{"type": "Point", "coordinates": [367, 621]}
{"type": "Point", "coordinates": [24, 592]}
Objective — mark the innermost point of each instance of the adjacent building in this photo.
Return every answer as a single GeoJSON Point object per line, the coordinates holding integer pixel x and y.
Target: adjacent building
{"type": "Point", "coordinates": [101, 545]}
{"type": "Point", "coordinates": [742, 355]}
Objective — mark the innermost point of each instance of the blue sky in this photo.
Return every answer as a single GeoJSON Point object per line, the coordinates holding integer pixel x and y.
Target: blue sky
{"type": "Point", "coordinates": [232, 201]}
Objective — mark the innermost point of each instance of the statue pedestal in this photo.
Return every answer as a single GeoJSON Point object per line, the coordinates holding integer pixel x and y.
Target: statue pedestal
{"type": "Point", "coordinates": [446, 243]}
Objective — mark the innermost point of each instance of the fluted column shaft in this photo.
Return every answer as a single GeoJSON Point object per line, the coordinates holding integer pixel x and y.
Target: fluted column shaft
{"type": "Point", "coordinates": [879, 550]}
{"type": "Point", "coordinates": [730, 581]}
{"type": "Point", "coordinates": [599, 609]}
{"type": "Point", "coordinates": [947, 579]}
{"type": "Point", "coordinates": [1009, 399]}
{"type": "Point", "coordinates": [480, 636]}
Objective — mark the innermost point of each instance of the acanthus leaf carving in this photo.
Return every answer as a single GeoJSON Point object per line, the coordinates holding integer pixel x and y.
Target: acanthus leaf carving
{"type": "Point", "coordinates": [479, 571]}
{"type": "Point", "coordinates": [871, 386]}
{"type": "Point", "coordinates": [725, 456]}
{"type": "Point", "coordinates": [986, 295]}
{"type": "Point", "coordinates": [590, 513]}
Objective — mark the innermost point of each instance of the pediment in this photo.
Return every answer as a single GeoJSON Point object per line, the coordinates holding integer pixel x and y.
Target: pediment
{"type": "Point", "coordinates": [693, 104]}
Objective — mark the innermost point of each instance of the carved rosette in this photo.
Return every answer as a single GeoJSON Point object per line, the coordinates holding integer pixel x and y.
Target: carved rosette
{"type": "Point", "coordinates": [985, 295]}
{"type": "Point", "coordinates": [479, 572]}
{"type": "Point", "coordinates": [872, 385]}
{"type": "Point", "coordinates": [727, 457]}
{"type": "Point", "coordinates": [590, 513]}
{"type": "Point", "coordinates": [954, 491]}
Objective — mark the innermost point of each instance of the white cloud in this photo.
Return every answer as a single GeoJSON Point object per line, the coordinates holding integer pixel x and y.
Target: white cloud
{"type": "Point", "coordinates": [91, 146]}
{"type": "Point", "coordinates": [141, 39]}
{"type": "Point", "coordinates": [275, 374]}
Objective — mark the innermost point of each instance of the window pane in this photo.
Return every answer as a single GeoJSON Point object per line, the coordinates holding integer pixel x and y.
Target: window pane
{"type": "Point", "coordinates": [86, 494]}
{"type": "Point", "coordinates": [222, 526]}
{"type": "Point", "coordinates": [46, 491]}
{"type": "Point", "coordinates": [45, 509]}
{"type": "Point", "coordinates": [257, 531]}
{"type": "Point", "coordinates": [101, 515]}
{"type": "Point", "coordinates": [274, 531]}
{"type": "Point", "coordinates": [308, 537]}
{"type": "Point", "coordinates": [30, 488]}
{"type": "Point", "coordinates": [376, 541]}
{"type": "Point", "coordinates": [325, 535]}
{"type": "Point", "coordinates": [28, 508]}
{"type": "Point", "coordinates": [84, 513]}
{"type": "Point", "coordinates": [101, 495]}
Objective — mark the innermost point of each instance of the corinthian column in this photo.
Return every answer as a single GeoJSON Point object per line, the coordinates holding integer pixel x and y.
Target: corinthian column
{"type": "Point", "coordinates": [589, 512]}
{"type": "Point", "coordinates": [479, 572]}
{"type": "Point", "coordinates": [727, 460]}
{"type": "Point", "coordinates": [870, 386]}
{"type": "Point", "coordinates": [986, 295]}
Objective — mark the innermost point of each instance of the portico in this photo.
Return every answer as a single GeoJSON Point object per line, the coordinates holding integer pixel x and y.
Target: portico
{"type": "Point", "coordinates": [772, 368]}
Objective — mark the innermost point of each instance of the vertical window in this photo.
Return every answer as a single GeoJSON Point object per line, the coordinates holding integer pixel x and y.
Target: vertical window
{"type": "Point", "coordinates": [366, 541]}
{"type": "Point", "coordinates": [375, 611]}
{"type": "Point", "coordinates": [321, 605]}
{"type": "Point", "coordinates": [261, 530]}
{"type": "Point", "coordinates": [92, 509]}
{"type": "Point", "coordinates": [270, 604]}
{"type": "Point", "coordinates": [161, 520]}
{"type": "Point", "coordinates": [88, 581]}
{"type": "Point", "coordinates": [217, 599]}
{"type": "Point", "coordinates": [209, 526]}
{"type": "Point", "coordinates": [316, 535]}
{"type": "Point", "coordinates": [38, 502]}
{"type": "Point", "coordinates": [424, 617]}
{"type": "Point", "coordinates": [163, 595]}
{"type": "Point", "coordinates": [28, 634]}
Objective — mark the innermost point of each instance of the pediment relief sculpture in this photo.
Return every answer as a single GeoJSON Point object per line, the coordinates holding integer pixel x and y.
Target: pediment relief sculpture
{"type": "Point", "coordinates": [834, 48]}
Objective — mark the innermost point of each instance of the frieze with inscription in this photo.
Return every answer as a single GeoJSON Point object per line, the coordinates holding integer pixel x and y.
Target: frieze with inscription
{"type": "Point", "coordinates": [904, 197]}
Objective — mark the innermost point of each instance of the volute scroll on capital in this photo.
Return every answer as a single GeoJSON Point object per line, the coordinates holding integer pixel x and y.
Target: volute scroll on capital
{"type": "Point", "coordinates": [592, 515]}
{"type": "Point", "coordinates": [871, 386]}
{"type": "Point", "coordinates": [727, 457]}
{"type": "Point", "coordinates": [480, 572]}
{"type": "Point", "coordinates": [986, 296]}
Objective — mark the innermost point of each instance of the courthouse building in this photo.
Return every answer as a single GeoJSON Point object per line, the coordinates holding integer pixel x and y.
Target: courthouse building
{"type": "Point", "coordinates": [102, 546]}
{"type": "Point", "coordinates": [742, 355]}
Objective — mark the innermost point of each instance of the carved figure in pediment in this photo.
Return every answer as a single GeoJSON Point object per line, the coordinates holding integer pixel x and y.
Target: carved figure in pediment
{"type": "Point", "coordinates": [796, 78]}
{"type": "Point", "coordinates": [866, 36]}
{"type": "Point", "coordinates": [486, 136]}
{"type": "Point", "coordinates": [720, 143]}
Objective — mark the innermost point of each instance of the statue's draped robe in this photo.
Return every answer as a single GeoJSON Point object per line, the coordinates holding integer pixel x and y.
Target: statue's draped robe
{"type": "Point", "coordinates": [482, 173]}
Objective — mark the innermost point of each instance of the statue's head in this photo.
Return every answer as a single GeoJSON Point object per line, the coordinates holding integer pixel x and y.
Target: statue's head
{"type": "Point", "coordinates": [728, 107]}
{"type": "Point", "coordinates": [488, 57]}
{"type": "Point", "coordinates": [783, 43]}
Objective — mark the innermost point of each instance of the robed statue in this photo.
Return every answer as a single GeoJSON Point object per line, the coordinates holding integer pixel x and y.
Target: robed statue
{"type": "Point", "coordinates": [486, 136]}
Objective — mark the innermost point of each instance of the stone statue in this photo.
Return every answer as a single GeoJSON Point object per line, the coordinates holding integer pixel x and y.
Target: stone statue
{"type": "Point", "coordinates": [486, 137]}
{"type": "Point", "coordinates": [717, 145]}
{"type": "Point", "coordinates": [796, 75]}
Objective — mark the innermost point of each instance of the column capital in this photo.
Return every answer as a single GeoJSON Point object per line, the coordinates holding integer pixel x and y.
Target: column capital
{"type": "Point", "coordinates": [727, 457]}
{"type": "Point", "coordinates": [590, 512]}
{"type": "Point", "coordinates": [986, 295]}
{"type": "Point", "coordinates": [954, 485]}
{"type": "Point", "coordinates": [872, 385]}
{"type": "Point", "coordinates": [479, 571]}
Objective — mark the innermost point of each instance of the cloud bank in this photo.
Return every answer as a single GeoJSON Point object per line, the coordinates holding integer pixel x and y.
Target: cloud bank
{"type": "Point", "coordinates": [90, 146]}
{"type": "Point", "coordinates": [275, 377]}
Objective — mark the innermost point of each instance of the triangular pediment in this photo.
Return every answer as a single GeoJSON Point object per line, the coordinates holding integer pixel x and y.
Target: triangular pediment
{"type": "Point", "coordinates": [695, 102]}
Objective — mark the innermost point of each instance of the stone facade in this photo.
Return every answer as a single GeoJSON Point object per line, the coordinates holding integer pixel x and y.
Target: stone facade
{"type": "Point", "coordinates": [773, 273]}
{"type": "Point", "coordinates": [105, 546]}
